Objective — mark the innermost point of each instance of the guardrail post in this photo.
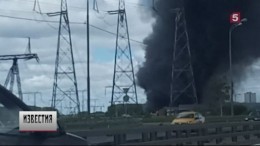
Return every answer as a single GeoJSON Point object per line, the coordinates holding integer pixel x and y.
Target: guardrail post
{"type": "Point", "coordinates": [200, 143]}
{"type": "Point", "coordinates": [116, 139]}
{"type": "Point", "coordinates": [144, 137]}
{"type": "Point", "coordinates": [233, 130]}
{"type": "Point", "coordinates": [168, 134]}
{"type": "Point", "coordinates": [246, 128]}
{"type": "Point", "coordinates": [188, 134]}
{"type": "Point", "coordinates": [119, 139]}
{"type": "Point", "coordinates": [201, 132]}
{"type": "Point", "coordinates": [153, 136]}
{"type": "Point", "coordinates": [257, 135]}
{"type": "Point", "coordinates": [122, 138]}
{"type": "Point", "coordinates": [218, 131]}
{"type": "Point", "coordinates": [179, 135]}
{"type": "Point", "coordinates": [257, 127]}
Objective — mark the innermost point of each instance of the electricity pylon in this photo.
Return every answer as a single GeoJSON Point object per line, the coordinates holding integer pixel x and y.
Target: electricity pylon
{"type": "Point", "coordinates": [65, 75]}
{"type": "Point", "coordinates": [124, 85]}
{"type": "Point", "coordinates": [182, 84]}
{"type": "Point", "coordinates": [14, 70]}
{"type": "Point", "coordinates": [34, 94]}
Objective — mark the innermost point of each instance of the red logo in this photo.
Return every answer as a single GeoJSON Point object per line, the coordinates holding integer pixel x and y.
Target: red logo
{"type": "Point", "coordinates": [235, 17]}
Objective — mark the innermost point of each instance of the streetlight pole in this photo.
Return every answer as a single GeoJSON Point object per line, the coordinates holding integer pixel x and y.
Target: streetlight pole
{"type": "Point", "coordinates": [230, 63]}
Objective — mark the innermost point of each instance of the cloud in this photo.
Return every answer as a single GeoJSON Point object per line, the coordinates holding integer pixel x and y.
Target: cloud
{"type": "Point", "coordinates": [251, 81]}
{"type": "Point", "coordinates": [38, 82]}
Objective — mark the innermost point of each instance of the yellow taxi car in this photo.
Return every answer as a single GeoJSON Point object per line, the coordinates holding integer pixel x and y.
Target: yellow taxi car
{"type": "Point", "coordinates": [188, 117]}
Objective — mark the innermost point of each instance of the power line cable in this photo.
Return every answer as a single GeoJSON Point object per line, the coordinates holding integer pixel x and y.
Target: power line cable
{"type": "Point", "coordinates": [103, 19]}
{"type": "Point", "coordinates": [39, 11]}
{"type": "Point", "coordinates": [130, 4]}
{"type": "Point", "coordinates": [80, 61]}
{"type": "Point", "coordinates": [53, 4]}
{"type": "Point", "coordinates": [77, 23]}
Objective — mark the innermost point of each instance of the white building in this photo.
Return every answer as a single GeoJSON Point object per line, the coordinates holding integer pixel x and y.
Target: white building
{"type": "Point", "coordinates": [250, 97]}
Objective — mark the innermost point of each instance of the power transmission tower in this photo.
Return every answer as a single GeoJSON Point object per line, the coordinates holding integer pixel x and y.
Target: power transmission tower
{"type": "Point", "coordinates": [34, 96]}
{"type": "Point", "coordinates": [124, 85]}
{"type": "Point", "coordinates": [70, 108]}
{"type": "Point", "coordinates": [182, 84]}
{"type": "Point", "coordinates": [95, 6]}
{"type": "Point", "coordinates": [82, 97]}
{"type": "Point", "coordinates": [65, 74]}
{"type": "Point", "coordinates": [14, 70]}
{"type": "Point", "coordinates": [29, 46]}
{"type": "Point", "coordinates": [95, 105]}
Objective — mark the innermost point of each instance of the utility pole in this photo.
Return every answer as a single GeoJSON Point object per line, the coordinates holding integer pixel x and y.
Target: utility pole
{"type": "Point", "coordinates": [88, 57]}
{"type": "Point", "coordinates": [65, 73]}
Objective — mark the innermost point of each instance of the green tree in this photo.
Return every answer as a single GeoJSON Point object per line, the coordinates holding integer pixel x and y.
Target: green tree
{"type": "Point", "coordinates": [217, 92]}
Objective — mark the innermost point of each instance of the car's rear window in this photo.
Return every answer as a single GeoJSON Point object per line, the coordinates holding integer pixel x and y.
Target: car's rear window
{"type": "Point", "coordinates": [185, 115]}
{"type": "Point", "coordinates": [254, 113]}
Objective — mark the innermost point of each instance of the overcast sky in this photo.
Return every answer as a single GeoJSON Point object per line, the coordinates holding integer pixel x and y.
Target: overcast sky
{"type": "Point", "coordinates": [250, 83]}
{"type": "Point", "coordinates": [39, 77]}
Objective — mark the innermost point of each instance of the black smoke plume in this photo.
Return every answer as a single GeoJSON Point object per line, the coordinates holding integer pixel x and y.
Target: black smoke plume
{"type": "Point", "coordinates": [208, 27]}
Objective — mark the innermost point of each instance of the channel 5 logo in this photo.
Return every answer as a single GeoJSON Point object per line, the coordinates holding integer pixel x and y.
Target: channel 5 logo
{"type": "Point", "coordinates": [235, 17]}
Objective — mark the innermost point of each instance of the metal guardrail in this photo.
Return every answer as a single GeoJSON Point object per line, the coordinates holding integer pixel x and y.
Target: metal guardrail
{"type": "Point", "coordinates": [175, 134]}
{"type": "Point", "coordinates": [123, 122]}
{"type": "Point", "coordinates": [215, 119]}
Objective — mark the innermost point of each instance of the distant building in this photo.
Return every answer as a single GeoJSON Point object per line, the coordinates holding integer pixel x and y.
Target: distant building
{"type": "Point", "coordinates": [250, 97]}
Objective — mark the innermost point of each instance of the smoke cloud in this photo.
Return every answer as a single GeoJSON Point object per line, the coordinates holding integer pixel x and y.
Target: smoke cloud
{"type": "Point", "coordinates": [208, 27]}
